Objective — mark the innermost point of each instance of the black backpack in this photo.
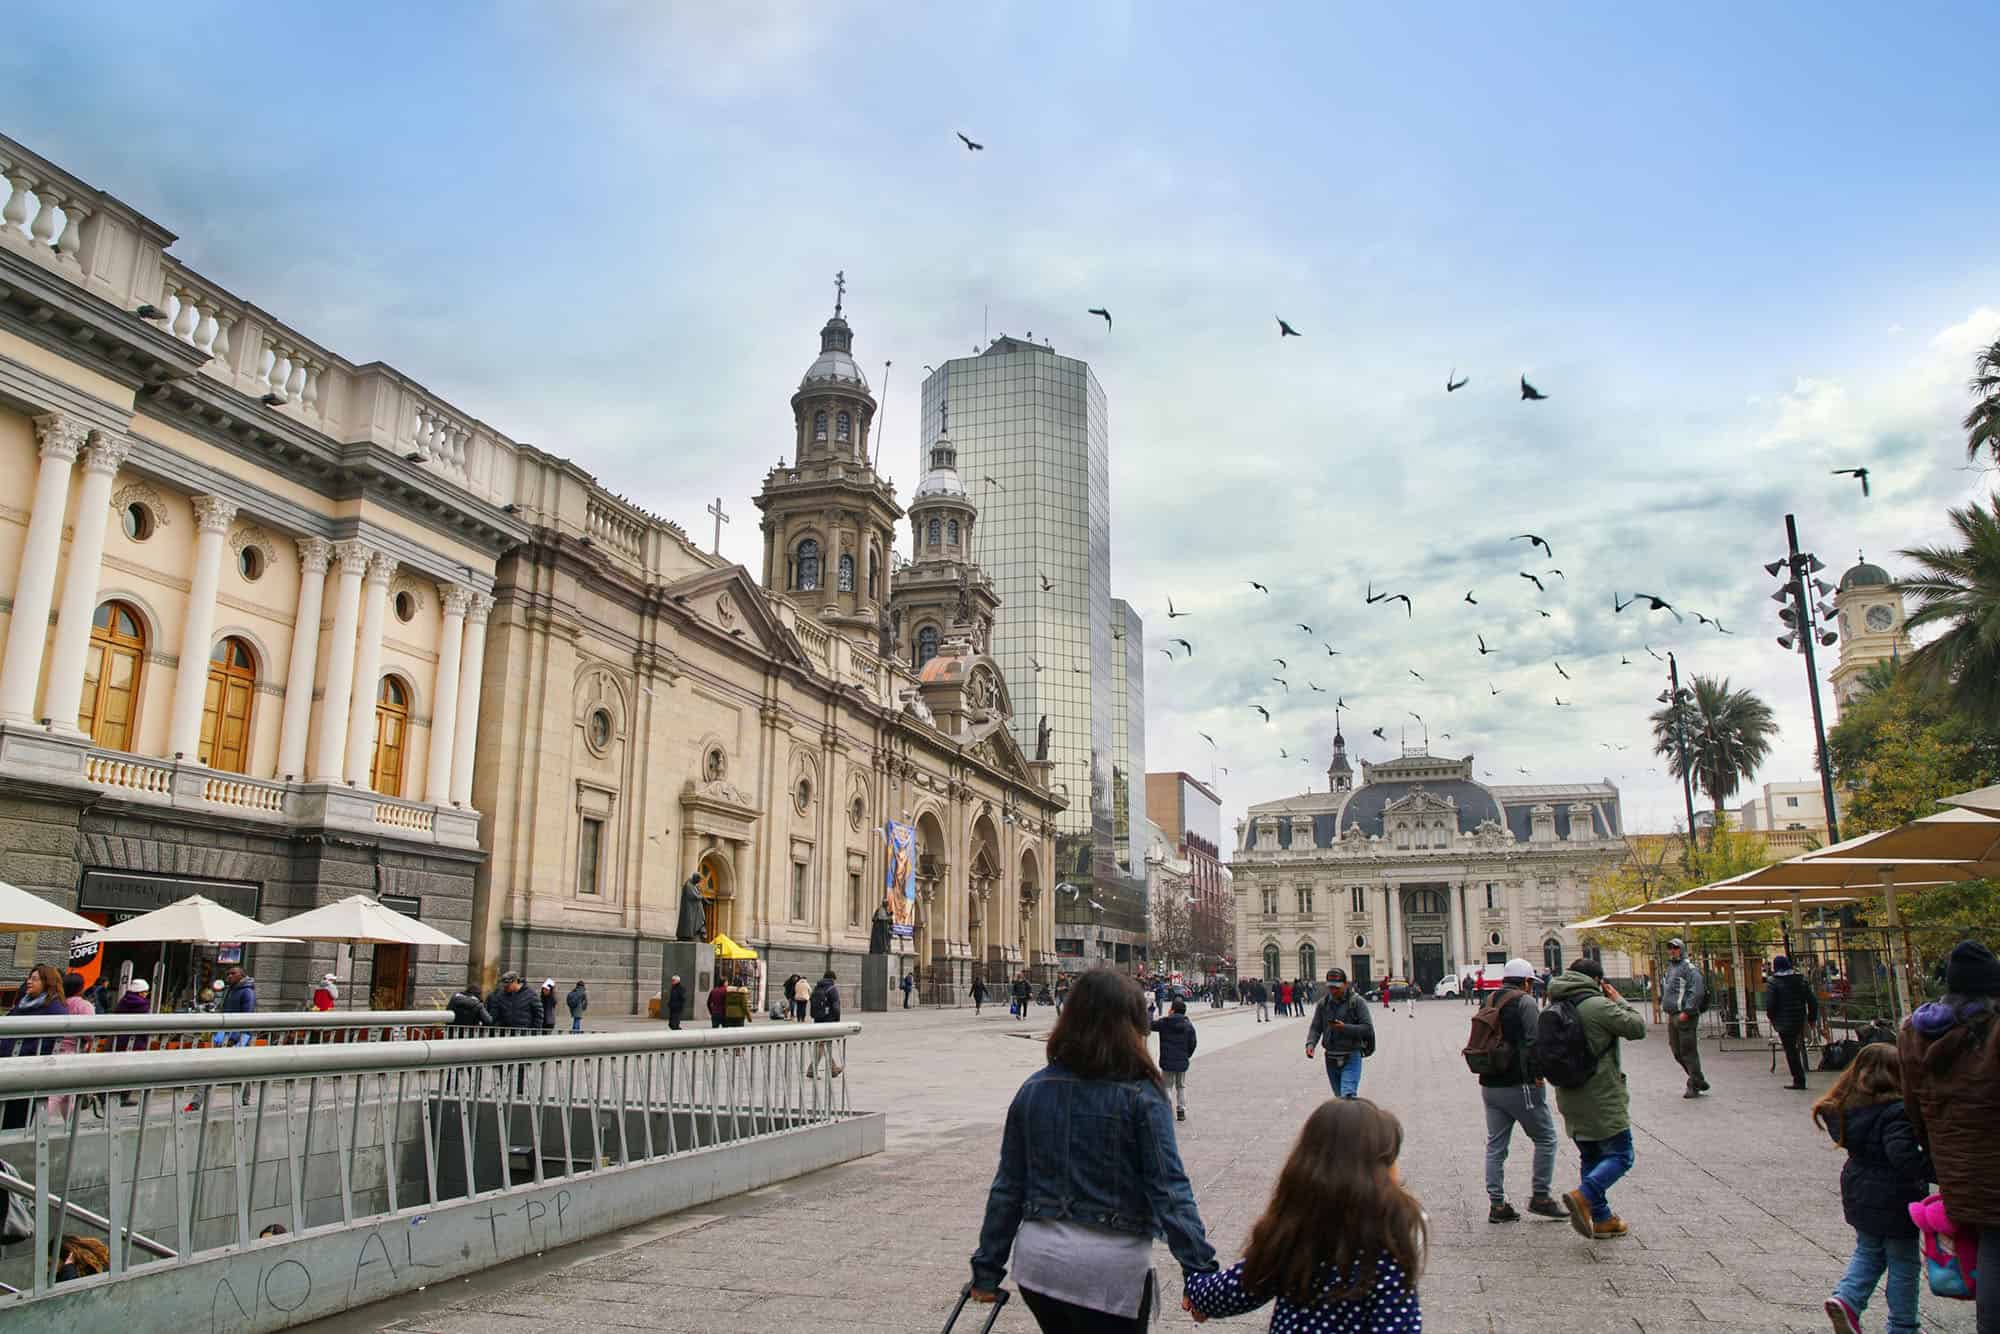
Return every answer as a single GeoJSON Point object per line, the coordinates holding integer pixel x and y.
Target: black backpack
{"type": "Point", "coordinates": [1562, 1046]}
{"type": "Point", "coordinates": [821, 1005]}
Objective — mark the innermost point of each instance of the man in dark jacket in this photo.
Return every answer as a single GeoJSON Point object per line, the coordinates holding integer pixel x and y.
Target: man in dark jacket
{"type": "Point", "coordinates": [1024, 996]}
{"type": "Point", "coordinates": [578, 1001]}
{"type": "Point", "coordinates": [1341, 1018]}
{"type": "Point", "coordinates": [512, 1005]}
{"type": "Point", "coordinates": [1177, 1040]}
{"type": "Point", "coordinates": [1790, 1004]}
{"type": "Point", "coordinates": [466, 1010]}
{"type": "Point", "coordinates": [677, 1002]}
{"type": "Point", "coordinates": [1682, 992]}
{"type": "Point", "coordinates": [978, 995]}
{"type": "Point", "coordinates": [825, 1009]}
{"type": "Point", "coordinates": [1517, 1096]}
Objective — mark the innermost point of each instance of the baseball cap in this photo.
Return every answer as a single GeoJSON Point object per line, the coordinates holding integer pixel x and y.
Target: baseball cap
{"type": "Point", "coordinates": [1676, 943]}
{"type": "Point", "coordinates": [548, 981]}
{"type": "Point", "coordinates": [1335, 975]}
{"type": "Point", "coordinates": [1517, 968]}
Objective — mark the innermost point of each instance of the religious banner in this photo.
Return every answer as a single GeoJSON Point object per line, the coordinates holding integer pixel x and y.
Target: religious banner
{"type": "Point", "coordinates": [899, 890]}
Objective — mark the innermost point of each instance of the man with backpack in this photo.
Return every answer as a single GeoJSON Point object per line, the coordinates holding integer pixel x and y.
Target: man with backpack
{"type": "Point", "coordinates": [1501, 1052]}
{"type": "Point", "coordinates": [1684, 995]}
{"type": "Point", "coordinates": [1177, 1044]}
{"type": "Point", "coordinates": [824, 1007]}
{"type": "Point", "coordinates": [1341, 1018]}
{"type": "Point", "coordinates": [1576, 1049]}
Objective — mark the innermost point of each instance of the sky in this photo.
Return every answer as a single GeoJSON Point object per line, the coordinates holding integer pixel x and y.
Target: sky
{"type": "Point", "coordinates": [1737, 246]}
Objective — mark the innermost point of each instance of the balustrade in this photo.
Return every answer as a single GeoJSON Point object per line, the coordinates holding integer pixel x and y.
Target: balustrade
{"type": "Point", "coordinates": [247, 793]}
{"type": "Point", "coordinates": [38, 214]}
{"type": "Point", "coordinates": [621, 532]}
{"type": "Point", "coordinates": [440, 439]}
{"type": "Point", "coordinates": [401, 815]}
{"type": "Point", "coordinates": [124, 771]}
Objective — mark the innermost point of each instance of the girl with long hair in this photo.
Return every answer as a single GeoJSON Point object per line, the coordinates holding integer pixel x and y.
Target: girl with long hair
{"type": "Point", "coordinates": [1340, 1245]}
{"type": "Point", "coordinates": [1886, 1171]}
{"type": "Point", "coordinates": [1090, 1173]}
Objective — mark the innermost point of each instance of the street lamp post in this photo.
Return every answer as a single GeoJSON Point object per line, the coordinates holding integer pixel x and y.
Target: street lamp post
{"type": "Point", "coordinates": [1804, 623]}
{"type": "Point", "coordinates": [1674, 701]}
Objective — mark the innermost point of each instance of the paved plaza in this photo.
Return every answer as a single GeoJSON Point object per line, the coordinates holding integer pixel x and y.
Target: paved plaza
{"type": "Point", "coordinates": [1734, 1204]}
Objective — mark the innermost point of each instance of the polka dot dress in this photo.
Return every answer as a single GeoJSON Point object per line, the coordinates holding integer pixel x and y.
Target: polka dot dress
{"type": "Point", "coordinates": [1390, 1307]}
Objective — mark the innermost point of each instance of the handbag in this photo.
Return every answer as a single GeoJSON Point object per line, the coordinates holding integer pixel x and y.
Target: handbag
{"type": "Point", "coordinates": [1951, 1252]}
{"type": "Point", "coordinates": [17, 1220]}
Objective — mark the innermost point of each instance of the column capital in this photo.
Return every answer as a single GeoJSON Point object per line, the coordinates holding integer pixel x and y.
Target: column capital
{"type": "Point", "coordinates": [106, 454]}
{"type": "Point", "coordinates": [455, 599]}
{"type": "Point", "coordinates": [315, 554]}
{"type": "Point", "coordinates": [213, 514]}
{"type": "Point", "coordinates": [482, 604]}
{"type": "Point", "coordinates": [381, 569]}
{"type": "Point", "coordinates": [353, 554]}
{"type": "Point", "coordinates": [61, 435]}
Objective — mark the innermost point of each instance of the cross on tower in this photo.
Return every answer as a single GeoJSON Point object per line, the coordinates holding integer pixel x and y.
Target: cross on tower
{"type": "Point", "coordinates": [720, 519]}
{"type": "Point", "coordinates": [839, 290]}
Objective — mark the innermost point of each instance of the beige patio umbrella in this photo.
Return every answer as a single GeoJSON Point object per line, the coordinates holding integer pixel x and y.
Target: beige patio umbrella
{"type": "Point", "coordinates": [1985, 800]}
{"type": "Point", "coordinates": [192, 920]}
{"type": "Point", "coordinates": [22, 911]}
{"type": "Point", "coordinates": [1961, 835]}
{"type": "Point", "coordinates": [358, 919]}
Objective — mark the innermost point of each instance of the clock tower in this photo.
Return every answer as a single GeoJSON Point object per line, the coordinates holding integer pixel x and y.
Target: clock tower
{"type": "Point", "coordinates": [1870, 607]}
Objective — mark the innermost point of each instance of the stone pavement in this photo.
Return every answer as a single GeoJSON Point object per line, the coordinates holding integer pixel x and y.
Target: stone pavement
{"type": "Point", "coordinates": [1734, 1204]}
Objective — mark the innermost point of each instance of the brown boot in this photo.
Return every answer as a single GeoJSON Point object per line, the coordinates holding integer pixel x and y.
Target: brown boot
{"type": "Point", "coordinates": [1579, 1212]}
{"type": "Point", "coordinates": [1613, 1226]}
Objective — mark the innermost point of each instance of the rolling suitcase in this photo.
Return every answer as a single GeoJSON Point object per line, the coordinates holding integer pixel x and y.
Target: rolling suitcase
{"type": "Point", "coordinates": [992, 1314]}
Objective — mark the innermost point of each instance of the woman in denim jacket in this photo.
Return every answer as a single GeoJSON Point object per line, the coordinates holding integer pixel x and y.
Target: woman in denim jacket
{"type": "Point", "coordinates": [1090, 1174]}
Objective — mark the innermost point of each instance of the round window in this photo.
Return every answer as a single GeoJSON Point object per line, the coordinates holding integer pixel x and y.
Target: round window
{"type": "Point", "coordinates": [137, 521]}
{"type": "Point", "coordinates": [600, 728]}
{"type": "Point", "coordinates": [406, 606]}
{"type": "Point", "coordinates": [1361, 942]}
{"type": "Point", "coordinates": [1494, 938]}
{"type": "Point", "coordinates": [713, 765]}
{"type": "Point", "coordinates": [250, 564]}
{"type": "Point", "coordinates": [804, 795]}
{"type": "Point", "coordinates": [857, 811]}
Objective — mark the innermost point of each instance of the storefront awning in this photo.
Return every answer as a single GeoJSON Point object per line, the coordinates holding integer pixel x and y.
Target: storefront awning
{"type": "Point", "coordinates": [725, 948]}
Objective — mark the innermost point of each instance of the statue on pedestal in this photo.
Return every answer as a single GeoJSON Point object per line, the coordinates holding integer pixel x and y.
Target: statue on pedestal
{"type": "Point", "coordinates": [693, 922]}
{"type": "Point", "coordinates": [878, 933]}
{"type": "Point", "coordinates": [1042, 739]}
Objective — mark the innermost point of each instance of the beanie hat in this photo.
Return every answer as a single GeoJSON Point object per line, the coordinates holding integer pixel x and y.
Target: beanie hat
{"type": "Point", "coordinates": [1972, 970]}
{"type": "Point", "coordinates": [1781, 964]}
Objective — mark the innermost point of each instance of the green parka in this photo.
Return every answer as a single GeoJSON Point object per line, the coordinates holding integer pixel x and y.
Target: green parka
{"type": "Point", "coordinates": [1601, 1108]}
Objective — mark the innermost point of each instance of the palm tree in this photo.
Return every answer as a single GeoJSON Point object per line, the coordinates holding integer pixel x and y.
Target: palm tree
{"type": "Point", "coordinates": [1982, 424]}
{"type": "Point", "coordinates": [1727, 733]}
{"type": "Point", "coordinates": [1959, 587]}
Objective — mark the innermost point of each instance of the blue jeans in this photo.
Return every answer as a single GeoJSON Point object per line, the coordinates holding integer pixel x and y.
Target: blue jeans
{"type": "Point", "coordinates": [1345, 1078]}
{"type": "Point", "coordinates": [1604, 1161]}
{"type": "Point", "coordinates": [1872, 1256]}
{"type": "Point", "coordinates": [576, 1023]}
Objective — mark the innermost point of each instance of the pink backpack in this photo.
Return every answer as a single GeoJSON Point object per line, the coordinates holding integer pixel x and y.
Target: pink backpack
{"type": "Point", "coordinates": [1951, 1254]}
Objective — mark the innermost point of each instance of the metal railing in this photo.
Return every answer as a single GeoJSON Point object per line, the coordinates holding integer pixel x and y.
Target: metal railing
{"type": "Point", "coordinates": [335, 1137]}
{"type": "Point", "coordinates": [153, 1032]}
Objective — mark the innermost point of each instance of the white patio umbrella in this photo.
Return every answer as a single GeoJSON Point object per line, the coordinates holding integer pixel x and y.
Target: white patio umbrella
{"type": "Point", "coordinates": [194, 920]}
{"type": "Point", "coordinates": [22, 911]}
{"type": "Point", "coordinates": [357, 919]}
{"type": "Point", "coordinates": [1986, 800]}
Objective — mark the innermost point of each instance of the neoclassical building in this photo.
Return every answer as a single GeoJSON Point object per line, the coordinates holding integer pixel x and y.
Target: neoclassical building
{"type": "Point", "coordinates": [1418, 871]}
{"type": "Point", "coordinates": [277, 627]}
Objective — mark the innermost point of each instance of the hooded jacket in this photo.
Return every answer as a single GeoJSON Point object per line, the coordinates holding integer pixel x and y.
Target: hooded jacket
{"type": "Point", "coordinates": [1789, 1002]}
{"type": "Point", "coordinates": [1682, 988]}
{"type": "Point", "coordinates": [466, 1011]}
{"type": "Point", "coordinates": [1601, 1107]}
{"type": "Point", "coordinates": [241, 998]}
{"type": "Point", "coordinates": [515, 1009]}
{"type": "Point", "coordinates": [1357, 1029]}
{"type": "Point", "coordinates": [1177, 1042]}
{"type": "Point", "coordinates": [1886, 1170]}
{"type": "Point", "coordinates": [578, 1001]}
{"type": "Point", "coordinates": [1951, 1093]}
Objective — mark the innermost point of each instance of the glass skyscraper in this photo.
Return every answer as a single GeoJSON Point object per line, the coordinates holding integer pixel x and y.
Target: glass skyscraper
{"type": "Point", "coordinates": [1034, 449]}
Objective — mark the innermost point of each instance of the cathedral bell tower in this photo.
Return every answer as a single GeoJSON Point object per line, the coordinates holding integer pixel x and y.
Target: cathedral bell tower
{"type": "Point", "coordinates": [829, 522]}
{"type": "Point", "coordinates": [941, 594]}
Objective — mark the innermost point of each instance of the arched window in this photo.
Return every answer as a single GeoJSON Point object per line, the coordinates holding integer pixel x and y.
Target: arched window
{"type": "Point", "coordinates": [1420, 837]}
{"type": "Point", "coordinates": [842, 427]}
{"type": "Point", "coordinates": [392, 728]}
{"type": "Point", "coordinates": [1427, 902]}
{"type": "Point", "coordinates": [1308, 961]}
{"type": "Point", "coordinates": [111, 670]}
{"type": "Point", "coordinates": [819, 426]}
{"type": "Point", "coordinates": [805, 568]}
{"type": "Point", "coordinates": [927, 644]}
{"type": "Point", "coordinates": [1593, 951]}
{"type": "Point", "coordinates": [951, 532]}
{"type": "Point", "coordinates": [225, 711]}
{"type": "Point", "coordinates": [1402, 837]}
{"type": "Point", "coordinates": [1552, 955]}
{"type": "Point", "coordinates": [931, 534]}
{"type": "Point", "coordinates": [1440, 836]}
{"type": "Point", "coordinates": [844, 579]}
{"type": "Point", "coordinates": [1272, 969]}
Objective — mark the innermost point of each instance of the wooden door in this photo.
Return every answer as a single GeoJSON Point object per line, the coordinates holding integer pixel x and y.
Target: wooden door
{"type": "Point", "coordinates": [389, 981]}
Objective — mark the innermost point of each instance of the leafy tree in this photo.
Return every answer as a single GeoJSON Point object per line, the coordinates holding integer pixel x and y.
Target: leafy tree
{"type": "Point", "coordinates": [1959, 588]}
{"type": "Point", "coordinates": [1655, 868]}
{"type": "Point", "coordinates": [1982, 424]}
{"type": "Point", "coordinates": [1173, 925]}
{"type": "Point", "coordinates": [1899, 748]}
{"type": "Point", "coordinates": [1728, 735]}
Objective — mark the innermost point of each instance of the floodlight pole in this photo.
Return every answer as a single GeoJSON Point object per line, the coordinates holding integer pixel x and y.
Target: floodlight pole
{"type": "Point", "coordinates": [1681, 746]}
{"type": "Point", "coordinates": [1802, 604]}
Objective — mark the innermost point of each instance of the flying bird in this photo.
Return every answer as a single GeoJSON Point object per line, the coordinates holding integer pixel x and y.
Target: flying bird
{"type": "Point", "coordinates": [1492, 689]}
{"type": "Point", "coordinates": [1469, 598]}
{"type": "Point", "coordinates": [1099, 310]}
{"type": "Point", "coordinates": [1038, 667]}
{"type": "Point", "coordinates": [1331, 651]}
{"type": "Point", "coordinates": [1260, 588]}
{"type": "Point", "coordinates": [1545, 615]}
{"type": "Point", "coordinates": [1418, 716]}
{"type": "Point", "coordinates": [1532, 540]}
{"type": "Point", "coordinates": [1048, 584]}
{"type": "Point", "coordinates": [1320, 689]}
{"type": "Point", "coordinates": [1444, 736]}
{"type": "Point", "coordinates": [1283, 682]}
{"type": "Point", "coordinates": [1206, 737]}
{"type": "Point", "coordinates": [1172, 614]}
{"type": "Point", "coordinates": [1285, 330]}
{"type": "Point", "coordinates": [1483, 650]}
{"type": "Point", "coordinates": [1558, 574]}
{"type": "Point", "coordinates": [1261, 709]}
{"type": "Point", "coordinates": [1284, 754]}
{"type": "Point", "coordinates": [1529, 391]}
{"type": "Point", "coordinates": [1649, 649]}
{"type": "Point", "coordinates": [1624, 661]}
{"type": "Point", "coordinates": [1169, 652]}
{"type": "Point", "coordinates": [1303, 626]}
{"type": "Point", "coordinates": [1414, 672]}
{"type": "Point", "coordinates": [1379, 736]}
{"type": "Point", "coordinates": [1340, 702]}
{"type": "Point", "coordinates": [1559, 702]}
{"type": "Point", "coordinates": [969, 145]}
{"type": "Point", "coordinates": [1658, 604]}
{"type": "Point", "coordinates": [1283, 666]}
{"type": "Point", "coordinates": [1559, 670]}
{"type": "Point", "coordinates": [1372, 596]}
{"type": "Point", "coordinates": [1452, 385]}
{"type": "Point", "coordinates": [1409, 609]}
{"type": "Point", "coordinates": [1860, 474]}
{"type": "Point", "coordinates": [1536, 582]}
{"type": "Point", "coordinates": [1184, 644]}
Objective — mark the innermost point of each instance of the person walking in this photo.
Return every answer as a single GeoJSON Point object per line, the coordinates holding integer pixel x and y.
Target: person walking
{"type": "Point", "coordinates": [1950, 1053]}
{"type": "Point", "coordinates": [1285, 998]}
{"type": "Point", "coordinates": [578, 1001]}
{"type": "Point", "coordinates": [548, 1003]}
{"type": "Point", "coordinates": [467, 1011]}
{"type": "Point", "coordinates": [718, 1003]}
{"type": "Point", "coordinates": [1790, 1005]}
{"type": "Point", "coordinates": [1341, 1242]}
{"type": "Point", "coordinates": [1388, 1006]}
{"type": "Point", "coordinates": [1476, 987]}
{"type": "Point", "coordinates": [1177, 1043]}
{"type": "Point", "coordinates": [1024, 996]}
{"type": "Point", "coordinates": [326, 996]}
{"type": "Point", "coordinates": [1258, 998]}
{"type": "Point", "coordinates": [239, 996]}
{"type": "Point", "coordinates": [978, 995]}
{"type": "Point", "coordinates": [801, 998]}
{"type": "Point", "coordinates": [1089, 1172]}
{"type": "Point", "coordinates": [1514, 1095]}
{"type": "Point", "coordinates": [677, 1003]}
{"type": "Point", "coordinates": [824, 1007]}
{"type": "Point", "coordinates": [513, 1006]}
{"type": "Point", "coordinates": [909, 985]}
{"type": "Point", "coordinates": [1886, 1172]}
{"type": "Point", "coordinates": [1596, 1109]}
{"type": "Point", "coordinates": [1341, 1021]}
{"type": "Point", "coordinates": [75, 1005]}
{"type": "Point", "coordinates": [1682, 993]}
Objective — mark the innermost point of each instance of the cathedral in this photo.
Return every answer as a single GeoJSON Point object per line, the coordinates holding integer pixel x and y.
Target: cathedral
{"type": "Point", "coordinates": [1419, 872]}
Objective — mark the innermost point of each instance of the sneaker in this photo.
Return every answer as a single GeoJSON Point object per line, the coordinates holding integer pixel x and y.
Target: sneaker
{"type": "Point", "coordinates": [1180, 1113]}
{"type": "Point", "coordinates": [1579, 1212]}
{"type": "Point", "coordinates": [1703, 1086]}
{"type": "Point", "coordinates": [1613, 1226]}
{"type": "Point", "coordinates": [1547, 1206]}
{"type": "Point", "coordinates": [1502, 1212]}
{"type": "Point", "coordinates": [1800, 1086]}
{"type": "Point", "coordinates": [1692, 1093]}
{"type": "Point", "coordinates": [1844, 1318]}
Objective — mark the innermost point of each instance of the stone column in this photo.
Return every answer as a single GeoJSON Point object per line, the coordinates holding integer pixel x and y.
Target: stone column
{"type": "Point", "coordinates": [1378, 932]}
{"type": "Point", "coordinates": [79, 598]}
{"type": "Point", "coordinates": [35, 587]}
{"type": "Point", "coordinates": [314, 555]}
{"type": "Point", "coordinates": [1454, 904]}
{"type": "Point", "coordinates": [1395, 892]}
{"type": "Point", "coordinates": [454, 598]}
{"type": "Point", "coordinates": [367, 670]}
{"type": "Point", "coordinates": [472, 662]}
{"type": "Point", "coordinates": [331, 750]}
{"type": "Point", "coordinates": [212, 517]}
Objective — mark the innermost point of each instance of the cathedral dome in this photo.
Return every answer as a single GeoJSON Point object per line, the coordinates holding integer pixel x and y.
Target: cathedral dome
{"type": "Point", "coordinates": [1474, 803]}
{"type": "Point", "coordinates": [835, 364]}
{"type": "Point", "coordinates": [942, 481]}
{"type": "Point", "coordinates": [1864, 575]}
